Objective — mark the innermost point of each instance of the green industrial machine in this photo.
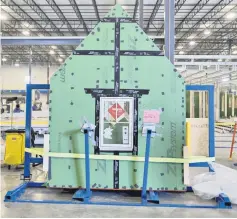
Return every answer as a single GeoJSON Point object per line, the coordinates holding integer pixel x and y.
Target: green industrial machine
{"type": "Point", "coordinates": [118, 84]}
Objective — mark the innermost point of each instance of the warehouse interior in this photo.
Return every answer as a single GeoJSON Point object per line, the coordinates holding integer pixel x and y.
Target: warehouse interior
{"type": "Point", "coordinates": [118, 108]}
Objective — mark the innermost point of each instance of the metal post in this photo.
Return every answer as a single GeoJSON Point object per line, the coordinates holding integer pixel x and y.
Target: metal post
{"type": "Point", "coordinates": [230, 46]}
{"type": "Point", "coordinates": [211, 113]}
{"type": "Point", "coordinates": [204, 104]}
{"type": "Point", "coordinates": [141, 13]}
{"type": "Point", "coordinates": [28, 131]}
{"type": "Point", "coordinates": [48, 66]}
{"type": "Point", "coordinates": [30, 67]}
{"type": "Point", "coordinates": [233, 105]}
{"type": "Point", "coordinates": [217, 98]}
{"type": "Point", "coordinates": [87, 163]}
{"type": "Point", "coordinates": [225, 109]}
{"type": "Point", "coordinates": [200, 105]}
{"type": "Point", "coordinates": [192, 104]}
{"type": "Point", "coordinates": [169, 29]}
{"type": "Point", "coordinates": [145, 173]}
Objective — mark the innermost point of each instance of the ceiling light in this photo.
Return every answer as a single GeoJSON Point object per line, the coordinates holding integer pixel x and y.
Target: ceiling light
{"type": "Point", "coordinates": [4, 59]}
{"type": "Point", "coordinates": [17, 64]}
{"type": "Point", "coordinates": [181, 52]}
{"type": "Point", "coordinates": [54, 47]}
{"type": "Point", "coordinates": [191, 37]}
{"type": "Point", "coordinates": [62, 55]}
{"type": "Point", "coordinates": [192, 43]}
{"type": "Point", "coordinates": [207, 32]}
{"type": "Point", "coordinates": [26, 32]}
{"type": "Point", "coordinates": [60, 60]}
{"type": "Point", "coordinates": [51, 52]}
{"type": "Point", "coordinates": [219, 60]}
{"type": "Point", "coordinates": [26, 24]}
{"type": "Point", "coordinates": [3, 17]}
{"type": "Point", "coordinates": [234, 52]}
{"type": "Point", "coordinates": [225, 79]}
{"type": "Point", "coordinates": [230, 15]}
{"type": "Point", "coordinates": [180, 47]}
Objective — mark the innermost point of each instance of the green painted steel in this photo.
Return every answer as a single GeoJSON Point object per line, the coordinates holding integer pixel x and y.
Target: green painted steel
{"type": "Point", "coordinates": [196, 104]}
{"type": "Point", "coordinates": [69, 105]}
{"type": "Point", "coordinates": [187, 104]}
{"type": "Point", "coordinates": [229, 105]}
{"type": "Point", "coordinates": [222, 105]}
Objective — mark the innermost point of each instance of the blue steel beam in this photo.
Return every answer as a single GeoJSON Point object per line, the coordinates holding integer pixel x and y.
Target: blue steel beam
{"type": "Point", "coordinates": [41, 41]}
{"type": "Point", "coordinates": [211, 120]}
{"type": "Point", "coordinates": [29, 88]}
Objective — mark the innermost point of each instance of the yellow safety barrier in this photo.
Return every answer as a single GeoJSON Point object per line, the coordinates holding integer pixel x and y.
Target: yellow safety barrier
{"type": "Point", "coordinates": [195, 159]}
{"type": "Point", "coordinates": [38, 122]}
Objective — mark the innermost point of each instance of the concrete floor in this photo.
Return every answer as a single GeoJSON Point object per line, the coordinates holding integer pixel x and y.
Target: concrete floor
{"type": "Point", "coordinates": [11, 178]}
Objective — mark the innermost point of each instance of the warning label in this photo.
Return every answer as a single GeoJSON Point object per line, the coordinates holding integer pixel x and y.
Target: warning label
{"type": "Point", "coordinates": [116, 108]}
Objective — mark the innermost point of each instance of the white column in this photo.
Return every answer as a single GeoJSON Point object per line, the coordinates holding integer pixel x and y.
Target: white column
{"type": "Point", "coordinates": [233, 105]}
{"type": "Point", "coordinates": [225, 109]}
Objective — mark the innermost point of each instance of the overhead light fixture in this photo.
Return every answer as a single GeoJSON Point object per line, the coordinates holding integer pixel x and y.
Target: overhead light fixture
{"type": "Point", "coordinates": [26, 32]}
{"type": "Point", "coordinates": [54, 47]}
{"type": "Point", "coordinates": [179, 47]}
{"type": "Point", "coordinates": [225, 79]}
{"type": "Point", "coordinates": [192, 43]}
{"type": "Point", "coordinates": [51, 52]}
{"type": "Point", "coordinates": [181, 52]}
{"type": "Point", "coordinates": [207, 32]}
{"type": "Point", "coordinates": [62, 55]}
{"type": "Point", "coordinates": [17, 64]}
{"type": "Point", "coordinates": [26, 24]}
{"type": "Point", "coordinates": [191, 37]}
{"type": "Point", "coordinates": [3, 17]}
{"type": "Point", "coordinates": [231, 15]}
{"type": "Point", "coordinates": [4, 59]}
{"type": "Point", "coordinates": [60, 60]}
{"type": "Point", "coordinates": [219, 60]}
{"type": "Point", "coordinates": [234, 52]}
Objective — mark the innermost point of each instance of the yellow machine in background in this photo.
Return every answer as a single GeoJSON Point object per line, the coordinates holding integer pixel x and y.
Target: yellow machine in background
{"type": "Point", "coordinates": [15, 147]}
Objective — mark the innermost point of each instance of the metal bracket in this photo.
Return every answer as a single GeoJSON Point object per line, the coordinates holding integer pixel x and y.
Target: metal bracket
{"type": "Point", "coordinates": [223, 201]}
{"type": "Point", "coordinates": [24, 178]}
{"type": "Point", "coordinates": [153, 197]}
{"type": "Point", "coordinates": [12, 195]}
{"type": "Point", "coordinates": [82, 195]}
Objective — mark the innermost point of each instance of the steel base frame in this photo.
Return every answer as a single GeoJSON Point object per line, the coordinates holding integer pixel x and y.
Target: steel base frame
{"type": "Point", "coordinates": [14, 195]}
{"type": "Point", "coordinates": [83, 196]}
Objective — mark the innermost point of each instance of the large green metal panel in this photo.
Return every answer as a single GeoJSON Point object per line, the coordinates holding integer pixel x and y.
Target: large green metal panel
{"type": "Point", "coordinates": [69, 105]}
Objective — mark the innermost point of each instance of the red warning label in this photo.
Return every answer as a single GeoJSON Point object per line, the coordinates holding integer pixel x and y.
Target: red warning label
{"type": "Point", "coordinates": [113, 109]}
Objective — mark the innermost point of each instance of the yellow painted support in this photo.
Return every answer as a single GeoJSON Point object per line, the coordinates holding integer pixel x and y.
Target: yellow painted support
{"type": "Point", "coordinates": [188, 137]}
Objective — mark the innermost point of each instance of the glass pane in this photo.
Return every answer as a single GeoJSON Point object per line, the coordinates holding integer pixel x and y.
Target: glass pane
{"type": "Point", "coordinates": [110, 111]}
{"type": "Point", "coordinates": [116, 134]}
{"type": "Point", "coordinates": [122, 111]}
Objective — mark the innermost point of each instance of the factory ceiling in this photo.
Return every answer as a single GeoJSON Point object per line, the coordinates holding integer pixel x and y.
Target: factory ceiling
{"type": "Point", "coordinates": [207, 27]}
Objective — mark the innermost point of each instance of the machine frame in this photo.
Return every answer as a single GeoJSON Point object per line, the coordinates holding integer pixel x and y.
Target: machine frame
{"type": "Point", "coordinates": [83, 196]}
